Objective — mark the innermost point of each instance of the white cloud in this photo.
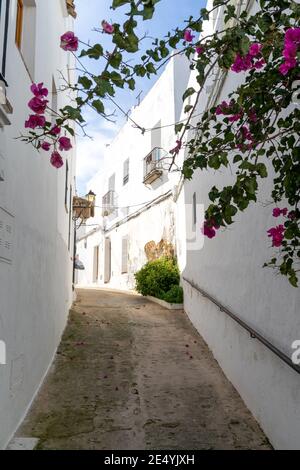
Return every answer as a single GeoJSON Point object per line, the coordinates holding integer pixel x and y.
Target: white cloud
{"type": "Point", "coordinates": [90, 154]}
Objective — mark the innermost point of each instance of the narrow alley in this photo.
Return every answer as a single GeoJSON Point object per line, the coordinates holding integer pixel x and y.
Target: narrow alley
{"type": "Point", "coordinates": [130, 374]}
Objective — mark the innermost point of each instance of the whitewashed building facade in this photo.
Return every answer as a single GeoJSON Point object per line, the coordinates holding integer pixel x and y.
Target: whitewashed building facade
{"type": "Point", "coordinates": [223, 276]}
{"type": "Point", "coordinates": [227, 276]}
{"type": "Point", "coordinates": [135, 192]}
{"type": "Point", "coordinates": [36, 235]}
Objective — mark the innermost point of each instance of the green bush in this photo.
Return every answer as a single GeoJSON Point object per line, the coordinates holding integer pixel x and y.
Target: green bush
{"type": "Point", "coordinates": [174, 295]}
{"type": "Point", "coordinates": [160, 278]}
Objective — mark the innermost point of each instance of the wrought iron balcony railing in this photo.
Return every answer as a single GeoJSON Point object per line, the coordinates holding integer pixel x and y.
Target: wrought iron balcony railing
{"type": "Point", "coordinates": [153, 168]}
{"type": "Point", "coordinates": [108, 203]}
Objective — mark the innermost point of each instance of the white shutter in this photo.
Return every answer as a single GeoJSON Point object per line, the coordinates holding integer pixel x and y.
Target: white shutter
{"type": "Point", "coordinates": [107, 260]}
{"type": "Point", "coordinates": [124, 255]}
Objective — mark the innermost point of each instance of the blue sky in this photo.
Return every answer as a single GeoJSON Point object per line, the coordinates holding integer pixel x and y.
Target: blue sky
{"type": "Point", "coordinates": [169, 14]}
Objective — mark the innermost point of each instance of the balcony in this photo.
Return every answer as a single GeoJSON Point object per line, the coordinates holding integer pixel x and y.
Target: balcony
{"type": "Point", "coordinates": [153, 168]}
{"type": "Point", "coordinates": [108, 203]}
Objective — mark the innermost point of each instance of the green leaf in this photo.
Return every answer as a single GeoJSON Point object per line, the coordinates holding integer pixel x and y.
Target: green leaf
{"type": "Point", "coordinates": [189, 92]}
{"type": "Point", "coordinates": [119, 3]}
{"type": "Point", "coordinates": [98, 105]}
{"type": "Point", "coordinates": [188, 108]}
{"type": "Point", "coordinates": [178, 127]}
{"type": "Point", "coordinates": [94, 52]}
{"type": "Point", "coordinates": [85, 82]}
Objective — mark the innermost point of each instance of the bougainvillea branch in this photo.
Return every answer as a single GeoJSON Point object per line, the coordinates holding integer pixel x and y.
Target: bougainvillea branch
{"type": "Point", "coordinates": [256, 129]}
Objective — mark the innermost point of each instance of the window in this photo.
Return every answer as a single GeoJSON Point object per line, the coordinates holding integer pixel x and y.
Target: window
{"type": "Point", "coordinates": [4, 17]}
{"type": "Point", "coordinates": [66, 185]}
{"type": "Point", "coordinates": [124, 255]}
{"type": "Point", "coordinates": [26, 32]}
{"type": "Point", "coordinates": [111, 182]}
{"type": "Point", "coordinates": [126, 172]}
{"type": "Point", "coordinates": [156, 136]}
{"type": "Point", "coordinates": [194, 209]}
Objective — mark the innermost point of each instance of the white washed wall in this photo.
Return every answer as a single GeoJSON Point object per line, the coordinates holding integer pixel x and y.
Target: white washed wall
{"type": "Point", "coordinates": [229, 268]}
{"type": "Point", "coordinates": [163, 103]}
{"type": "Point", "coordinates": [36, 288]}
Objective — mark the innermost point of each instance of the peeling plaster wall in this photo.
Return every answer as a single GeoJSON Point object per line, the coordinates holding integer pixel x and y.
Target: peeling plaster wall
{"type": "Point", "coordinates": [36, 281]}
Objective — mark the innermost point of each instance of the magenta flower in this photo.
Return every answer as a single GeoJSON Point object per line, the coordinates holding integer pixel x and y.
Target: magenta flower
{"type": "Point", "coordinates": [291, 46]}
{"type": "Point", "coordinates": [56, 160]}
{"type": "Point", "coordinates": [55, 130]}
{"type": "Point", "coordinates": [209, 228]}
{"type": "Point", "coordinates": [38, 90]}
{"type": "Point", "coordinates": [293, 35]}
{"type": "Point", "coordinates": [292, 215]}
{"type": "Point", "coordinates": [107, 27]}
{"type": "Point", "coordinates": [177, 148]}
{"type": "Point", "coordinates": [200, 50]}
{"type": "Point", "coordinates": [255, 49]}
{"type": "Point", "coordinates": [188, 36]}
{"type": "Point", "coordinates": [253, 116]}
{"type": "Point", "coordinates": [259, 64]}
{"type": "Point", "coordinates": [236, 117]}
{"type": "Point", "coordinates": [64, 143]}
{"type": "Point", "coordinates": [222, 108]}
{"type": "Point", "coordinates": [287, 66]}
{"type": "Point", "coordinates": [38, 105]}
{"type": "Point", "coordinates": [277, 235]}
{"type": "Point", "coordinates": [46, 146]}
{"type": "Point", "coordinates": [276, 212]}
{"type": "Point", "coordinates": [69, 42]}
{"type": "Point", "coordinates": [35, 120]}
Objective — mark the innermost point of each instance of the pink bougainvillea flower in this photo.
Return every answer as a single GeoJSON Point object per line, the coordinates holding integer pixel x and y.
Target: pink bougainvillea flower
{"type": "Point", "coordinates": [38, 105]}
{"type": "Point", "coordinates": [292, 215]}
{"type": "Point", "coordinates": [247, 62]}
{"type": "Point", "coordinates": [56, 160]}
{"type": "Point", "coordinates": [277, 235]}
{"type": "Point", "coordinates": [252, 116]}
{"type": "Point", "coordinates": [177, 148]}
{"type": "Point", "coordinates": [291, 46]}
{"type": "Point", "coordinates": [35, 120]}
{"type": "Point", "coordinates": [107, 27]}
{"type": "Point", "coordinates": [69, 42]}
{"type": "Point", "coordinates": [293, 35]}
{"type": "Point", "coordinates": [55, 130]}
{"type": "Point", "coordinates": [64, 143]}
{"type": "Point", "coordinates": [200, 50]}
{"type": "Point", "coordinates": [276, 212]}
{"type": "Point", "coordinates": [255, 49]}
{"type": "Point", "coordinates": [222, 108]}
{"type": "Point", "coordinates": [46, 146]}
{"type": "Point", "coordinates": [38, 90]}
{"type": "Point", "coordinates": [259, 64]}
{"type": "Point", "coordinates": [287, 66]}
{"type": "Point", "coordinates": [188, 36]}
{"type": "Point", "coordinates": [208, 230]}
{"type": "Point", "coordinates": [236, 117]}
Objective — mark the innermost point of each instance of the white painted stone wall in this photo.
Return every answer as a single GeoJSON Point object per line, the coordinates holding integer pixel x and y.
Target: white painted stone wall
{"type": "Point", "coordinates": [229, 268]}
{"type": "Point", "coordinates": [36, 283]}
{"type": "Point", "coordinates": [163, 103]}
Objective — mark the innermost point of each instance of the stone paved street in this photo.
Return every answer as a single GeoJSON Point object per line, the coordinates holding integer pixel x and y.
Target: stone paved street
{"type": "Point", "coordinates": [130, 374]}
